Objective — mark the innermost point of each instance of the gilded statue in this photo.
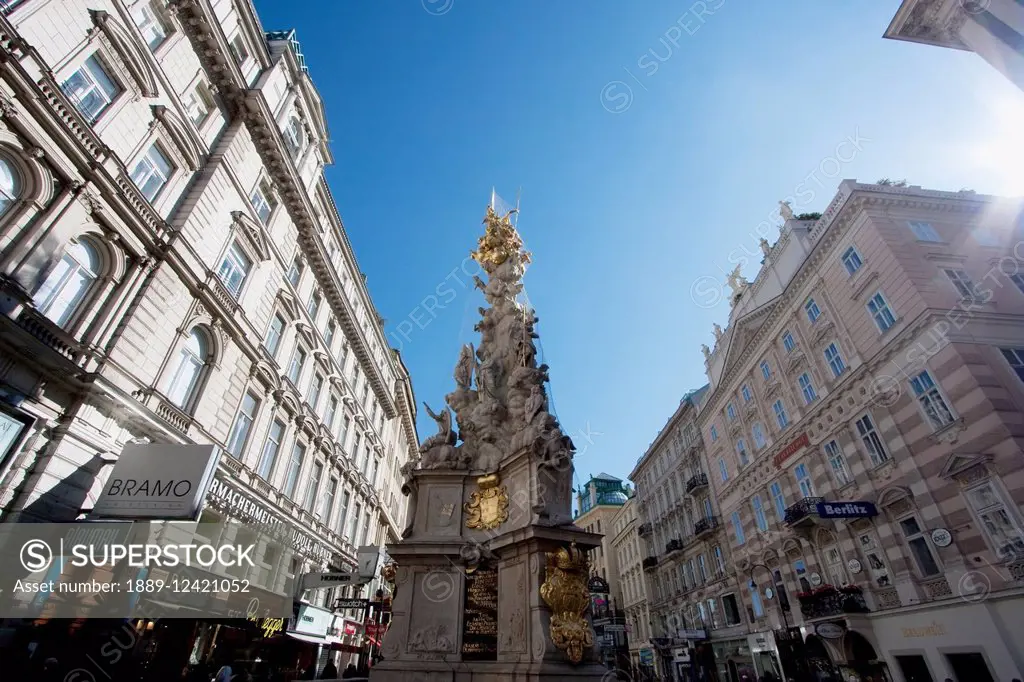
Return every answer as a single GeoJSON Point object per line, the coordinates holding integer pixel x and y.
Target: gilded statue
{"type": "Point", "coordinates": [566, 594]}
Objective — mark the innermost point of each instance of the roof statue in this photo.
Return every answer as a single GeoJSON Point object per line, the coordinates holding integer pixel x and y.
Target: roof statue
{"type": "Point", "coordinates": [736, 281]}
{"type": "Point", "coordinates": [718, 331]}
{"type": "Point", "coordinates": [766, 248]}
{"type": "Point", "coordinates": [499, 400]}
{"type": "Point", "coordinates": [707, 352]}
{"type": "Point", "coordinates": [785, 210]}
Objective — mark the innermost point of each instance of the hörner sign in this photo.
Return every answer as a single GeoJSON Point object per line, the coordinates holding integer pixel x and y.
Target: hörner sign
{"type": "Point", "coordinates": [846, 510]}
{"type": "Point", "coordinates": [158, 481]}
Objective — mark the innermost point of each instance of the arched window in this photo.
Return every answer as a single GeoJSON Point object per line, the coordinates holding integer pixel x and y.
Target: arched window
{"type": "Point", "coordinates": [10, 185]}
{"type": "Point", "coordinates": [192, 360]}
{"type": "Point", "coordinates": [69, 283]}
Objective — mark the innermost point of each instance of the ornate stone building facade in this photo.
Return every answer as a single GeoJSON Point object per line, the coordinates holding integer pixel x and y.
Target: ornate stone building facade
{"type": "Point", "coordinates": [173, 268]}
{"type": "Point", "coordinates": [993, 29]}
{"type": "Point", "coordinates": [632, 584]}
{"type": "Point", "coordinates": [876, 365]}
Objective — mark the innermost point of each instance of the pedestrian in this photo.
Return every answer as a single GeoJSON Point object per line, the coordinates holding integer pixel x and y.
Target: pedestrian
{"type": "Point", "coordinates": [330, 671]}
{"type": "Point", "coordinates": [350, 672]}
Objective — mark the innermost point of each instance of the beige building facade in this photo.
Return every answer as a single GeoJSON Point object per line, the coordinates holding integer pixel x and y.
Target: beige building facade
{"type": "Point", "coordinates": [173, 269]}
{"type": "Point", "coordinates": [629, 554]}
{"type": "Point", "coordinates": [863, 436]}
{"type": "Point", "coordinates": [993, 29]}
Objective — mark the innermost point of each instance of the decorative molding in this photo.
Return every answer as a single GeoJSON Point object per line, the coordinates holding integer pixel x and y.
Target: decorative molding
{"type": "Point", "coordinates": [125, 47]}
{"type": "Point", "coordinates": [176, 131]}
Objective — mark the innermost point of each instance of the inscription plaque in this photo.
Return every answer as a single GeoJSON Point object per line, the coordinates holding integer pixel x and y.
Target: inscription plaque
{"type": "Point", "coordinates": [480, 616]}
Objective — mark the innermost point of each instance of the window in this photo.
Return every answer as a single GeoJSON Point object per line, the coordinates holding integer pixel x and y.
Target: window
{"type": "Point", "coordinates": [343, 512]}
{"type": "Point", "coordinates": [737, 528]}
{"type": "Point", "coordinates": [90, 88]}
{"type": "Point", "coordinates": [745, 392]}
{"type": "Point", "coordinates": [714, 434]}
{"type": "Point", "coordinates": [807, 388]}
{"type": "Point", "coordinates": [191, 362]}
{"type": "Point", "coordinates": [332, 328]}
{"type": "Point", "coordinates": [295, 369]}
{"type": "Point", "coordinates": [998, 522]}
{"type": "Point", "coordinates": [263, 203]}
{"type": "Point", "coordinates": [730, 411]}
{"type": "Point", "coordinates": [68, 284]}
{"type": "Point", "coordinates": [373, 476]}
{"type": "Point", "coordinates": [313, 307]}
{"type": "Point", "coordinates": [834, 455]}
{"type": "Point", "coordinates": [152, 28]}
{"type": "Point", "coordinates": [243, 422]}
{"type": "Point", "coordinates": [332, 410]}
{"type": "Point", "coordinates": [234, 269]}
{"type": "Point", "coordinates": [10, 185]}
{"type": "Point", "coordinates": [703, 569]}
{"type": "Point", "coordinates": [880, 311]}
{"type": "Point", "coordinates": [295, 137]}
{"type": "Point", "coordinates": [759, 517]}
{"type": "Point", "coordinates": [719, 561]}
{"type": "Point", "coordinates": [357, 512]}
{"type": "Point", "coordinates": [930, 400]}
{"type": "Point", "coordinates": [919, 546]}
{"type": "Point", "coordinates": [778, 499]}
{"type": "Point", "coordinates": [366, 529]}
{"type": "Point", "coordinates": [1018, 279]}
{"type": "Point", "coordinates": [758, 432]}
{"type": "Point", "coordinates": [788, 343]}
{"type": "Point", "coordinates": [1015, 356]}
{"type": "Point", "coordinates": [691, 574]}
{"type": "Point", "coordinates": [732, 612]}
{"type": "Point", "coordinates": [723, 470]}
{"type": "Point", "coordinates": [961, 281]}
{"type": "Point", "coordinates": [780, 414]}
{"type": "Point", "coordinates": [803, 480]}
{"type": "Point", "coordinates": [872, 443]}
{"type": "Point", "coordinates": [270, 449]}
{"type": "Point", "coordinates": [741, 452]}
{"type": "Point", "coordinates": [343, 434]}
{"type": "Point", "coordinates": [292, 478]}
{"type": "Point", "coordinates": [924, 232]}
{"type": "Point", "coordinates": [851, 260]}
{"type": "Point", "coordinates": [313, 487]}
{"type": "Point", "coordinates": [755, 601]}
{"type": "Point", "coordinates": [295, 272]}
{"type": "Point", "coordinates": [834, 359]}
{"type": "Point", "coordinates": [152, 172]}
{"type": "Point", "coordinates": [198, 105]}
{"type": "Point", "coordinates": [315, 388]}
{"type": "Point", "coordinates": [272, 341]}
{"type": "Point", "coordinates": [238, 49]}
{"type": "Point", "coordinates": [811, 308]}
{"type": "Point", "coordinates": [766, 371]}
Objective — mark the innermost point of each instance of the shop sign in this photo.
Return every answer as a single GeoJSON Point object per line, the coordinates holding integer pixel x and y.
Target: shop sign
{"type": "Point", "coordinates": [158, 481]}
{"type": "Point", "coordinates": [760, 641]}
{"type": "Point", "coordinates": [693, 634]}
{"type": "Point", "coordinates": [598, 584]}
{"type": "Point", "coordinates": [269, 626]}
{"type": "Point", "coordinates": [681, 655]}
{"type": "Point", "coordinates": [243, 506]}
{"type": "Point", "coordinates": [830, 630]}
{"type": "Point", "coordinates": [855, 566]}
{"type": "Point", "coordinates": [646, 657]}
{"type": "Point", "coordinates": [341, 604]}
{"type": "Point", "coordinates": [351, 628]}
{"type": "Point", "coordinates": [611, 627]}
{"type": "Point", "coordinates": [934, 630]}
{"type": "Point", "coordinates": [785, 453]}
{"type": "Point", "coordinates": [942, 537]}
{"type": "Point", "coordinates": [846, 510]}
{"type": "Point", "coordinates": [313, 621]}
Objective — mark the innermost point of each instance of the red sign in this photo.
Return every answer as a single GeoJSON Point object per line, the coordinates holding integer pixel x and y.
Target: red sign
{"type": "Point", "coordinates": [350, 628]}
{"type": "Point", "coordinates": [785, 453]}
{"type": "Point", "coordinates": [372, 630]}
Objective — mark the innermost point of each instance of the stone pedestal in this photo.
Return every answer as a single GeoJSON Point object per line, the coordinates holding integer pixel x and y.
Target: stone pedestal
{"type": "Point", "coordinates": [428, 640]}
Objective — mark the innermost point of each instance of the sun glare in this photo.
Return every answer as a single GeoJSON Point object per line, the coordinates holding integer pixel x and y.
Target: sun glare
{"type": "Point", "coordinates": [997, 148]}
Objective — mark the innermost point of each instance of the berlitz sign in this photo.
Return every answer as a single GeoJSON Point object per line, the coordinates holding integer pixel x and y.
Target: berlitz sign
{"type": "Point", "coordinates": [785, 453]}
{"type": "Point", "coordinates": [846, 510]}
{"type": "Point", "coordinates": [158, 481]}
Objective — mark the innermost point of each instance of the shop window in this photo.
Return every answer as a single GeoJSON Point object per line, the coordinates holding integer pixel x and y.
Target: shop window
{"type": "Point", "coordinates": [970, 666]}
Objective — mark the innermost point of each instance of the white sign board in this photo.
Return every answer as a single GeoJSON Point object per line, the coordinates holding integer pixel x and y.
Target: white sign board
{"type": "Point", "coordinates": [313, 580]}
{"type": "Point", "coordinates": [158, 481]}
{"type": "Point", "coordinates": [313, 621]}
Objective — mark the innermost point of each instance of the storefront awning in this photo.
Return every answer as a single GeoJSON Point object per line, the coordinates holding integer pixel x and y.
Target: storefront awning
{"type": "Point", "coordinates": [307, 638]}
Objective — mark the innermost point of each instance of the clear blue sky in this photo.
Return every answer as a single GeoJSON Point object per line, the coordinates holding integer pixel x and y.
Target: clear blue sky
{"type": "Point", "coordinates": [623, 211]}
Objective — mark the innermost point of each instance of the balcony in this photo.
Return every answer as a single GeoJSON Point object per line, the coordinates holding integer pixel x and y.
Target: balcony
{"type": "Point", "coordinates": [644, 529]}
{"type": "Point", "coordinates": [650, 562]}
{"type": "Point", "coordinates": [705, 527]}
{"type": "Point", "coordinates": [800, 513]}
{"type": "Point", "coordinates": [696, 482]}
{"type": "Point", "coordinates": [672, 546]}
{"type": "Point", "coordinates": [828, 602]}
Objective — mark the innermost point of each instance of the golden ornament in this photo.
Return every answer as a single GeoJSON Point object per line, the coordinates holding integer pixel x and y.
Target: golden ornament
{"type": "Point", "coordinates": [487, 508]}
{"type": "Point", "coordinates": [566, 594]}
